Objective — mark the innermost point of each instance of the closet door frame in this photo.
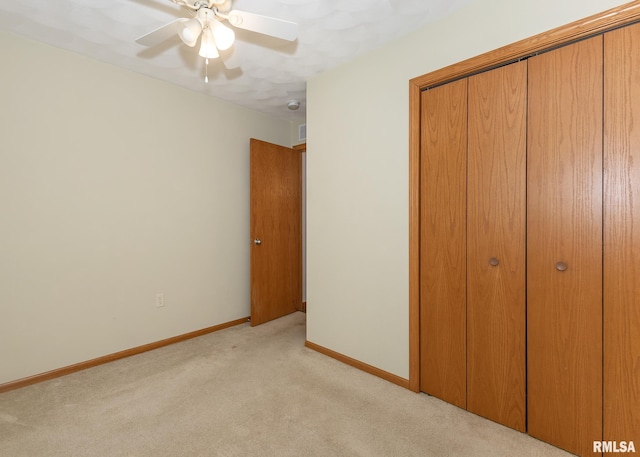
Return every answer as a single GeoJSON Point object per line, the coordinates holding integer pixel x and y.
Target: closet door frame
{"type": "Point", "coordinates": [616, 17]}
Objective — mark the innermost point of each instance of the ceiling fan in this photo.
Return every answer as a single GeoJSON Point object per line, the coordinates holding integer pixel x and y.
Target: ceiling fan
{"type": "Point", "coordinates": [208, 25]}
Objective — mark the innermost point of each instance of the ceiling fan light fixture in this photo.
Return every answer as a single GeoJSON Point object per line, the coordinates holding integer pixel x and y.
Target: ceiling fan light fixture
{"type": "Point", "coordinates": [223, 35]}
{"type": "Point", "coordinates": [190, 32]}
{"type": "Point", "coordinates": [216, 36]}
{"type": "Point", "coordinates": [208, 48]}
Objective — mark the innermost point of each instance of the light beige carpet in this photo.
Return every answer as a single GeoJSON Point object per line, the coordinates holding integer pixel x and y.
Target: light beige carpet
{"type": "Point", "coordinates": [244, 392]}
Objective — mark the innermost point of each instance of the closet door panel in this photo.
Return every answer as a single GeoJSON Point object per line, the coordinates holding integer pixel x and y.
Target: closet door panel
{"type": "Point", "coordinates": [443, 242]}
{"type": "Point", "coordinates": [622, 236]}
{"type": "Point", "coordinates": [564, 246]}
{"type": "Point", "coordinates": [496, 231]}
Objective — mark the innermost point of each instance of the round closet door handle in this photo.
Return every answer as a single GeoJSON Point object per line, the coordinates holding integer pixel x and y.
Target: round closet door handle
{"type": "Point", "coordinates": [561, 266]}
{"type": "Point", "coordinates": [493, 262]}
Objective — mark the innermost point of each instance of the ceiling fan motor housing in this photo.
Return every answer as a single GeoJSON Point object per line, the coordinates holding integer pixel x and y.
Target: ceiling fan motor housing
{"type": "Point", "coordinates": [223, 6]}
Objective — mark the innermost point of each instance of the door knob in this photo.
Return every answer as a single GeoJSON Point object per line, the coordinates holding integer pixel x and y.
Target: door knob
{"type": "Point", "coordinates": [493, 261]}
{"type": "Point", "coordinates": [561, 266]}
{"type": "Point", "coordinates": [257, 241]}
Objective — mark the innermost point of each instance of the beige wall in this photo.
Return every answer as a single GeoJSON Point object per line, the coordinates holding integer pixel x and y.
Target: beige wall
{"type": "Point", "coordinates": [357, 173]}
{"type": "Point", "coordinates": [115, 186]}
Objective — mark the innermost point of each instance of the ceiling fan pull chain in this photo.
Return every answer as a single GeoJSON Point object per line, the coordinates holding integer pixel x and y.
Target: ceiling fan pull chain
{"type": "Point", "coordinates": [206, 71]}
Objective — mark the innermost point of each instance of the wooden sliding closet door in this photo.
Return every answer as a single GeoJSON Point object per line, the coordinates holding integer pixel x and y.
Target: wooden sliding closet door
{"type": "Point", "coordinates": [443, 245]}
{"type": "Point", "coordinates": [564, 246]}
{"type": "Point", "coordinates": [622, 235]}
{"type": "Point", "coordinates": [496, 218]}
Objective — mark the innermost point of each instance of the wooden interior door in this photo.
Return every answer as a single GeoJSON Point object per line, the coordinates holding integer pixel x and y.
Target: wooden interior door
{"type": "Point", "coordinates": [443, 244]}
{"type": "Point", "coordinates": [276, 231]}
{"type": "Point", "coordinates": [564, 246]}
{"type": "Point", "coordinates": [622, 235]}
{"type": "Point", "coordinates": [496, 234]}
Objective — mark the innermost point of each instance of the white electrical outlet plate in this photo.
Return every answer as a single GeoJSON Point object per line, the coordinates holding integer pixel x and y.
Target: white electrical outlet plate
{"type": "Point", "coordinates": [159, 300]}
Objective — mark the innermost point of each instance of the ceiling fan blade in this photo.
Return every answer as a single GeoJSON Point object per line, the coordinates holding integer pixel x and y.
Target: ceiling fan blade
{"type": "Point", "coordinates": [271, 26]}
{"type": "Point", "coordinates": [161, 33]}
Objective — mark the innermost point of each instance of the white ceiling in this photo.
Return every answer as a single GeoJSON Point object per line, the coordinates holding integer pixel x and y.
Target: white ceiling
{"type": "Point", "coordinates": [273, 71]}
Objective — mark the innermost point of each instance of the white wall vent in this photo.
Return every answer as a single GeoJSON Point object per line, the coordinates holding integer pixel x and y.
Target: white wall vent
{"type": "Point", "coordinates": [302, 132]}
